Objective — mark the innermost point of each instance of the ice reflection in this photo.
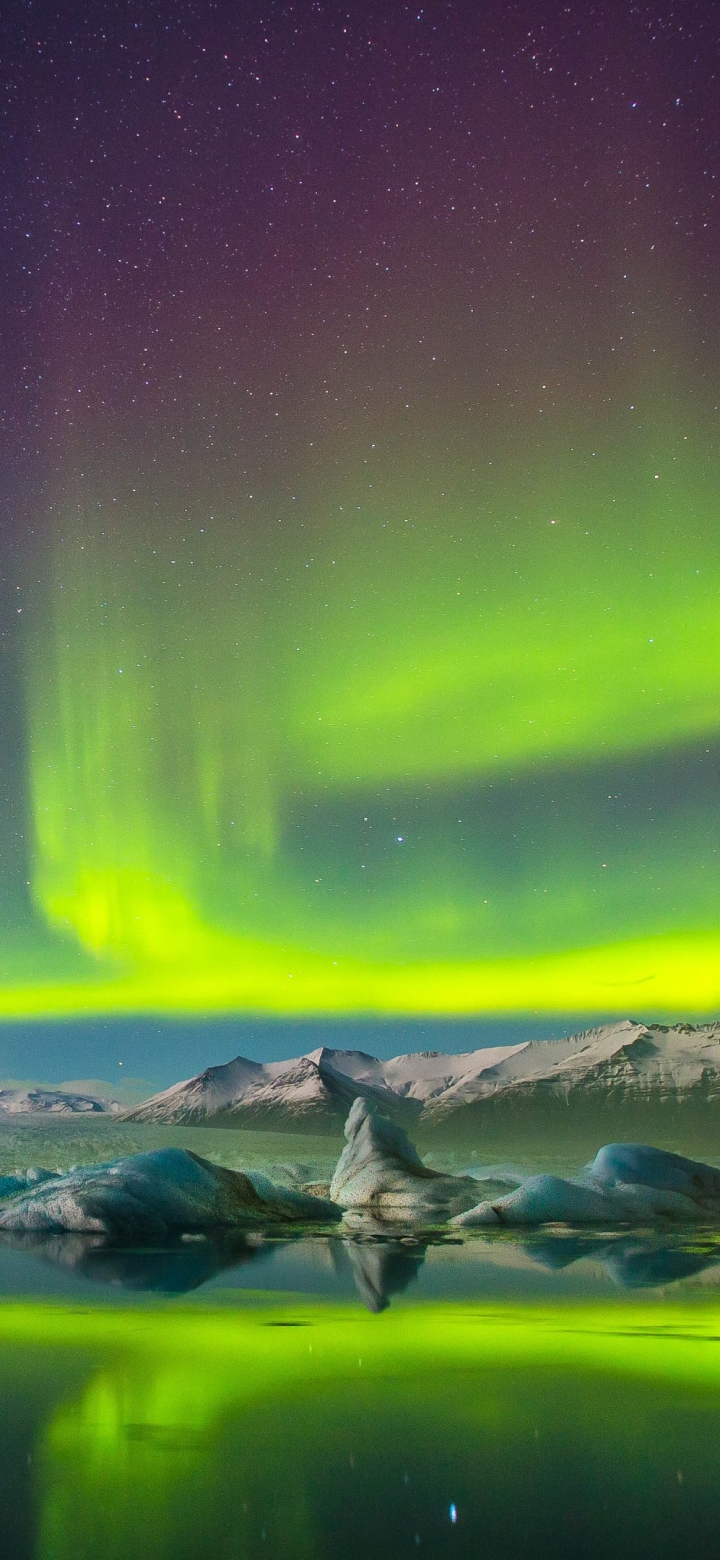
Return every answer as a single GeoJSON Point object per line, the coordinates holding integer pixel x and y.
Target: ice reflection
{"type": "Point", "coordinates": [631, 1261]}
{"type": "Point", "coordinates": [175, 1268]}
{"type": "Point", "coordinates": [379, 1268]}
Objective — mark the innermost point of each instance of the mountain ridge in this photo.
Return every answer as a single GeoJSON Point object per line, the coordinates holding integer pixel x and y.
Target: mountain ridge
{"type": "Point", "coordinates": [628, 1060]}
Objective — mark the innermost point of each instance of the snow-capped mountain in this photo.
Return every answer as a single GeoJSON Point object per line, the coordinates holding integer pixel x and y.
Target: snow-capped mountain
{"type": "Point", "coordinates": [307, 1088]}
{"type": "Point", "coordinates": [615, 1063]}
{"type": "Point", "coordinates": [51, 1102]}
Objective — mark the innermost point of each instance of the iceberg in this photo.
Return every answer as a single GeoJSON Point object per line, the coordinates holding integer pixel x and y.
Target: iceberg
{"type": "Point", "coordinates": [379, 1180]}
{"type": "Point", "coordinates": [381, 1171]}
{"type": "Point", "coordinates": [161, 1193]}
{"type": "Point", "coordinates": [626, 1183]}
{"type": "Point", "coordinates": [20, 1180]}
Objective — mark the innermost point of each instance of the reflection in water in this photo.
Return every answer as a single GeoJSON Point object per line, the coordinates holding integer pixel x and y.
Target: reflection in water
{"type": "Point", "coordinates": [631, 1261]}
{"type": "Point", "coordinates": [379, 1267]}
{"type": "Point", "coordinates": [310, 1432]}
{"type": "Point", "coordinates": [642, 1267]}
{"type": "Point", "coordinates": [174, 1268]}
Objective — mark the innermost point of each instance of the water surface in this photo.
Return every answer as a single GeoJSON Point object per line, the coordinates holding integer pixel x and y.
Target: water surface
{"type": "Point", "coordinates": [366, 1396]}
{"type": "Point", "coordinates": [305, 1429]}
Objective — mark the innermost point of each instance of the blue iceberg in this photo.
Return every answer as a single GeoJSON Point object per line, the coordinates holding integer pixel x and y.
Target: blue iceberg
{"type": "Point", "coordinates": [150, 1196]}
{"type": "Point", "coordinates": [20, 1180]}
{"type": "Point", "coordinates": [626, 1183]}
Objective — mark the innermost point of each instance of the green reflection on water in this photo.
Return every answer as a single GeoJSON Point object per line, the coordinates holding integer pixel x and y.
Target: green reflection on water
{"type": "Point", "coordinates": [309, 1430]}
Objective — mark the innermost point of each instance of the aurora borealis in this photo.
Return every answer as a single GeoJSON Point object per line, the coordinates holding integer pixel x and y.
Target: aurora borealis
{"type": "Point", "coordinates": [362, 546]}
{"type": "Point", "coordinates": [290, 1422]}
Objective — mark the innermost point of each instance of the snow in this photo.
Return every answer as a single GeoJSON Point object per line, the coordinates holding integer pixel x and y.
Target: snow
{"type": "Point", "coordinates": [56, 1102]}
{"type": "Point", "coordinates": [629, 1058]}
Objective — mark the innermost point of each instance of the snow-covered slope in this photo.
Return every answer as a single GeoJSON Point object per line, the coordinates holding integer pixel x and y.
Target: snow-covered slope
{"type": "Point", "coordinates": [305, 1089]}
{"type": "Point", "coordinates": [53, 1102]}
{"type": "Point", "coordinates": [621, 1061]}
{"type": "Point", "coordinates": [611, 1061]}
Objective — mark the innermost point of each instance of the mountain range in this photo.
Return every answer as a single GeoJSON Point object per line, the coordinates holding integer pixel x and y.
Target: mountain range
{"type": "Point", "coordinates": [79, 1097]}
{"type": "Point", "coordinates": [38, 1101]}
{"type": "Point", "coordinates": [616, 1064]}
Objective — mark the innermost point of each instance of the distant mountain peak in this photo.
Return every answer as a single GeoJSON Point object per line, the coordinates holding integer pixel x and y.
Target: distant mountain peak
{"type": "Point", "coordinates": [627, 1060]}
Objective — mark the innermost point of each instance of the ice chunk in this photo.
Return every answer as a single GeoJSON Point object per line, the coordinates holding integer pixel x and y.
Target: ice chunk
{"type": "Point", "coordinates": [20, 1180]}
{"type": "Point", "coordinates": [626, 1183]}
{"type": "Point", "coordinates": [149, 1196]}
{"type": "Point", "coordinates": [636, 1164]}
{"type": "Point", "coordinates": [379, 1169]}
{"type": "Point", "coordinates": [543, 1199]}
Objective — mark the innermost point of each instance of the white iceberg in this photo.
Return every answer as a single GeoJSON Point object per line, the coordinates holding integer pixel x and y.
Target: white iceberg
{"type": "Point", "coordinates": [626, 1183]}
{"type": "Point", "coordinates": [380, 1171]}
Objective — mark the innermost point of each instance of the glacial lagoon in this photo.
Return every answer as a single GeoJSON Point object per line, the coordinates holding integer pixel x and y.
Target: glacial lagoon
{"type": "Point", "coordinates": [502, 1394]}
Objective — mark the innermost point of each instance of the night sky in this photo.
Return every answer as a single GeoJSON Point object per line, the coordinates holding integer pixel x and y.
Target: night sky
{"type": "Point", "coordinates": [360, 523]}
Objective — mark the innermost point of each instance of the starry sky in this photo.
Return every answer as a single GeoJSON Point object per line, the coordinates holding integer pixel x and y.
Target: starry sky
{"type": "Point", "coordinates": [360, 540]}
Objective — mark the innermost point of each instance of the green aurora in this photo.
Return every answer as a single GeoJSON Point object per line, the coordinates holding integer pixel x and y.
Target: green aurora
{"type": "Point", "coordinates": [439, 736]}
{"type": "Point", "coordinates": [360, 648]}
{"type": "Point", "coordinates": [162, 1431]}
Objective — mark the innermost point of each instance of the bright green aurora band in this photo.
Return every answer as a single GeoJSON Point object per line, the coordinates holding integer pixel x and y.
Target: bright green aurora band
{"type": "Point", "coordinates": [254, 1424]}
{"type": "Point", "coordinates": [433, 729]}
